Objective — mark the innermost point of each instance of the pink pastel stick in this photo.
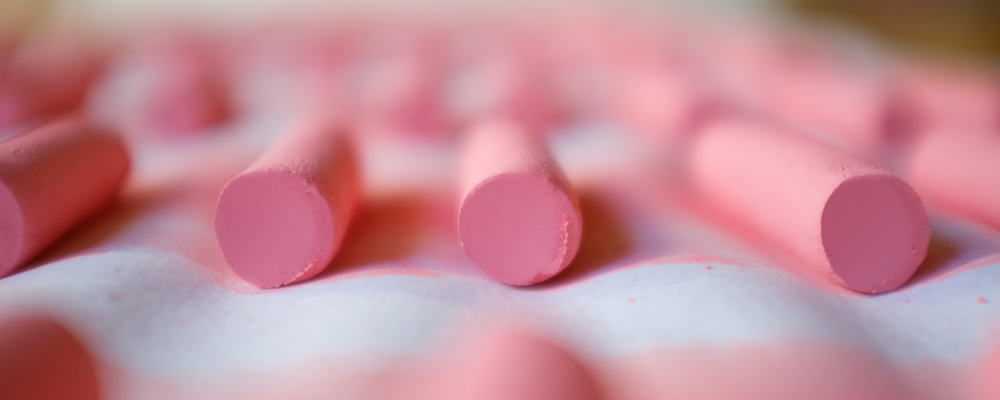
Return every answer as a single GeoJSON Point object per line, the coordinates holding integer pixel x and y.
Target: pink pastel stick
{"type": "Point", "coordinates": [187, 96]}
{"type": "Point", "coordinates": [858, 225]}
{"type": "Point", "coordinates": [519, 221]}
{"type": "Point", "coordinates": [41, 360]}
{"type": "Point", "coordinates": [283, 219]}
{"type": "Point", "coordinates": [657, 100]}
{"type": "Point", "coordinates": [185, 92]}
{"type": "Point", "coordinates": [400, 91]}
{"type": "Point", "coordinates": [500, 80]}
{"type": "Point", "coordinates": [44, 75]}
{"type": "Point", "coordinates": [959, 172]}
{"type": "Point", "coordinates": [51, 178]}
{"type": "Point", "coordinates": [517, 366]}
{"type": "Point", "coordinates": [931, 95]}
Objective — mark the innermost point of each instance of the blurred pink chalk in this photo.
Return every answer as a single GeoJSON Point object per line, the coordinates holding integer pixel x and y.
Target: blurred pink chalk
{"type": "Point", "coordinates": [179, 88]}
{"type": "Point", "coordinates": [959, 172]}
{"type": "Point", "coordinates": [497, 78]}
{"type": "Point", "coordinates": [519, 222]}
{"type": "Point", "coordinates": [807, 84]}
{"type": "Point", "coordinates": [660, 101]}
{"type": "Point", "coordinates": [930, 95]}
{"type": "Point", "coordinates": [848, 220]}
{"type": "Point", "coordinates": [400, 84]}
{"type": "Point", "coordinates": [283, 219]}
{"type": "Point", "coordinates": [41, 360]}
{"type": "Point", "coordinates": [510, 366]}
{"type": "Point", "coordinates": [45, 75]}
{"type": "Point", "coordinates": [51, 178]}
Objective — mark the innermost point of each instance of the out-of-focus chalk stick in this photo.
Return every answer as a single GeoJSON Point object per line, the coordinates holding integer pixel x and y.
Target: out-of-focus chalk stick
{"type": "Point", "coordinates": [959, 172]}
{"type": "Point", "coordinates": [41, 360]}
{"type": "Point", "coordinates": [510, 366]}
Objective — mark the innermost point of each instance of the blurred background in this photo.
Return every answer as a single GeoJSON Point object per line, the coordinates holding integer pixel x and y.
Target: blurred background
{"type": "Point", "coordinates": [963, 28]}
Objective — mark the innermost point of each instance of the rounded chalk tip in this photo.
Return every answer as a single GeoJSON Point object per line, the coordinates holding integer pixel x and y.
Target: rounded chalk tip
{"type": "Point", "coordinates": [274, 228]}
{"type": "Point", "coordinates": [11, 231]}
{"type": "Point", "coordinates": [875, 233]}
{"type": "Point", "coordinates": [519, 228]}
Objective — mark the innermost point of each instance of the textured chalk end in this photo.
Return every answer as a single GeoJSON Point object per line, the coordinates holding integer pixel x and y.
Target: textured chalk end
{"type": "Point", "coordinates": [274, 228]}
{"type": "Point", "coordinates": [519, 228]}
{"type": "Point", "coordinates": [875, 233]}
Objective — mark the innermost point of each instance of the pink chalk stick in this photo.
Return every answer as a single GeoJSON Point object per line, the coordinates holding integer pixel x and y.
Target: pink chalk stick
{"type": "Point", "coordinates": [519, 222]}
{"type": "Point", "coordinates": [185, 90]}
{"type": "Point", "coordinates": [959, 172]}
{"type": "Point", "coordinates": [187, 95]}
{"type": "Point", "coordinates": [44, 75]}
{"type": "Point", "coordinates": [51, 178]}
{"type": "Point", "coordinates": [500, 81]}
{"type": "Point", "coordinates": [399, 89]}
{"type": "Point", "coordinates": [517, 366]}
{"type": "Point", "coordinates": [856, 224]}
{"type": "Point", "coordinates": [931, 94]}
{"type": "Point", "coordinates": [41, 360]}
{"type": "Point", "coordinates": [283, 219]}
{"type": "Point", "coordinates": [657, 100]}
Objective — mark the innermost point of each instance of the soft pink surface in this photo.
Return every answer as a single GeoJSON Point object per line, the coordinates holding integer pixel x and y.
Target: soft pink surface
{"type": "Point", "coordinates": [41, 360]}
{"type": "Point", "coordinates": [283, 219]}
{"type": "Point", "coordinates": [798, 193]}
{"type": "Point", "coordinates": [519, 220]}
{"type": "Point", "coordinates": [53, 177]}
{"type": "Point", "coordinates": [959, 172]}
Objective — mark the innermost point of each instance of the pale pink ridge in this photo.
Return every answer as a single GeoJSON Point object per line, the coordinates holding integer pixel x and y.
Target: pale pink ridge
{"type": "Point", "coordinates": [283, 219]}
{"type": "Point", "coordinates": [51, 178]}
{"type": "Point", "coordinates": [857, 224]}
{"type": "Point", "coordinates": [519, 222]}
{"type": "Point", "coordinates": [959, 172]}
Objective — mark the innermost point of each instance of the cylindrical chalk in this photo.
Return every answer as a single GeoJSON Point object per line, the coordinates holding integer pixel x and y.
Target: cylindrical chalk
{"type": "Point", "coordinates": [283, 219]}
{"type": "Point", "coordinates": [399, 85]}
{"type": "Point", "coordinates": [45, 75]}
{"type": "Point", "coordinates": [186, 95]}
{"type": "Point", "coordinates": [857, 224]}
{"type": "Point", "coordinates": [519, 222]}
{"type": "Point", "coordinates": [960, 172]}
{"type": "Point", "coordinates": [517, 366]}
{"type": "Point", "coordinates": [931, 94]}
{"type": "Point", "coordinates": [51, 178]}
{"type": "Point", "coordinates": [41, 360]}
{"type": "Point", "coordinates": [499, 81]}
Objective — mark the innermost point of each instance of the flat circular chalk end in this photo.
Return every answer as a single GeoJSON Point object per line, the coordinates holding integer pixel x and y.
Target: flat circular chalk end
{"type": "Point", "coordinates": [274, 228]}
{"type": "Point", "coordinates": [875, 233]}
{"type": "Point", "coordinates": [11, 231]}
{"type": "Point", "coordinates": [519, 228]}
